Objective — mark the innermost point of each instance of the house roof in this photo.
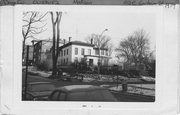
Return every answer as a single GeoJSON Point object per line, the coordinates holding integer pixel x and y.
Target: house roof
{"type": "Point", "coordinates": [76, 43]}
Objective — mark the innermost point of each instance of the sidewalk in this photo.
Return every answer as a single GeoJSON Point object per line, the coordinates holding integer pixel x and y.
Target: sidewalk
{"type": "Point", "coordinates": [35, 78]}
{"type": "Point", "coordinates": [145, 89]}
{"type": "Point", "coordinates": [40, 73]}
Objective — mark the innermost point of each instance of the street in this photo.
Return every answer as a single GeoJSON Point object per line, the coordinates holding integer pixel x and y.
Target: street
{"type": "Point", "coordinates": [121, 96]}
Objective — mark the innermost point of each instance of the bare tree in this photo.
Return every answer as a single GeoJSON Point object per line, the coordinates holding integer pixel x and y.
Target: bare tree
{"type": "Point", "coordinates": [56, 19]}
{"type": "Point", "coordinates": [135, 48]}
{"type": "Point", "coordinates": [101, 42]}
{"type": "Point", "coordinates": [33, 24]}
{"type": "Point", "coordinates": [110, 49]}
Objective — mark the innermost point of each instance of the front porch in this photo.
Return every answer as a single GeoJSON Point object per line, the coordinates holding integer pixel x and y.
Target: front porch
{"type": "Point", "coordinates": [94, 60]}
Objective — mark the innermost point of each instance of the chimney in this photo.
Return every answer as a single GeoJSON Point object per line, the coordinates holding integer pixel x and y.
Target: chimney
{"type": "Point", "coordinates": [91, 40]}
{"type": "Point", "coordinates": [64, 41]}
{"type": "Point", "coordinates": [70, 39]}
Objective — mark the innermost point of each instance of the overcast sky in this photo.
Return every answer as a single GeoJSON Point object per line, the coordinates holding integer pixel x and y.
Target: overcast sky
{"type": "Point", "coordinates": [79, 24]}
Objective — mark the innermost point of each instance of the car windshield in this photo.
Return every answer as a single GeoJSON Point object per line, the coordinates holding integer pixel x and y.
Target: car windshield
{"type": "Point", "coordinates": [107, 95]}
{"type": "Point", "coordinates": [95, 95]}
{"type": "Point", "coordinates": [41, 87]}
{"type": "Point", "coordinates": [77, 96]}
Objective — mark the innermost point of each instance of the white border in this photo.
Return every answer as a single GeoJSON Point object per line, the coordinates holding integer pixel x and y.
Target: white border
{"type": "Point", "coordinates": [166, 58]}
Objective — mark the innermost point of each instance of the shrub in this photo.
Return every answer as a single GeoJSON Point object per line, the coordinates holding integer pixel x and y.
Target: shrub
{"type": "Point", "coordinates": [43, 66]}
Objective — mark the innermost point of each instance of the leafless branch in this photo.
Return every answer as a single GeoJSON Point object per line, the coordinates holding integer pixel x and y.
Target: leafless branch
{"type": "Point", "coordinates": [29, 28]}
{"type": "Point", "coordinates": [135, 47]}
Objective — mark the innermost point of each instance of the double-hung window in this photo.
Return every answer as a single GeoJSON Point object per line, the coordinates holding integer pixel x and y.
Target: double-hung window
{"type": "Point", "coordinates": [89, 51]}
{"type": "Point", "coordinates": [76, 51]}
{"type": "Point", "coordinates": [82, 51]}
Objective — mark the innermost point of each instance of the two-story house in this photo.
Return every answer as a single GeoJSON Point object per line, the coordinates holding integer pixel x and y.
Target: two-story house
{"type": "Point", "coordinates": [76, 51]}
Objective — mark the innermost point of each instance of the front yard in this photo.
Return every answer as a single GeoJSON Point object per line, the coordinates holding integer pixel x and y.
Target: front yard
{"type": "Point", "coordinates": [142, 86]}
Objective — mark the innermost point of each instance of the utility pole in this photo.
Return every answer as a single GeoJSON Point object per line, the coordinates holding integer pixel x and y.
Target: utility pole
{"type": "Point", "coordinates": [27, 62]}
{"type": "Point", "coordinates": [99, 47]}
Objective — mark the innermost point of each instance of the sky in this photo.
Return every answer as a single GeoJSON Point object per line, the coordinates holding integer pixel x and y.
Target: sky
{"type": "Point", "coordinates": [79, 24]}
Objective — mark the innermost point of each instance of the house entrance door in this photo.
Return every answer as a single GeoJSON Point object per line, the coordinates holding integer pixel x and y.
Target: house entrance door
{"type": "Point", "coordinates": [90, 62]}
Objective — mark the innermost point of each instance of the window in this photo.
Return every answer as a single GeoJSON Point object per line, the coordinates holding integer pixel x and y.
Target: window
{"type": "Point", "coordinates": [97, 52]}
{"type": "Point", "coordinates": [62, 96]}
{"type": "Point", "coordinates": [76, 51]}
{"type": "Point", "coordinates": [55, 96]}
{"type": "Point", "coordinates": [64, 52]}
{"type": "Point", "coordinates": [77, 96]}
{"type": "Point", "coordinates": [66, 60]}
{"type": "Point", "coordinates": [106, 53]}
{"type": "Point", "coordinates": [67, 51]}
{"type": "Point", "coordinates": [95, 95]}
{"type": "Point", "coordinates": [102, 52]}
{"type": "Point", "coordinates": [82, 51]}
{"type": "Point", "coordinates": [89, 51]}
{"type": "Point", "coordinates": [61, 53]}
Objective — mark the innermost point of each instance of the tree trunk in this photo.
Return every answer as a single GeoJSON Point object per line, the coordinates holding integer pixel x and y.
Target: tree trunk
{"type": "Point", "coordinates": [53, 47]}
{"type": "Point", "coordinates": [23, 50]}
{"type": "Point", "coordinates": [58, 35]}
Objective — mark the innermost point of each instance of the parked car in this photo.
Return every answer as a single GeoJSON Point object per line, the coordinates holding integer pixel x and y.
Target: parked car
{"type": "Point", "coordinates": [38, 91]}
{"type": "Point", "coordinates": [81, 93]}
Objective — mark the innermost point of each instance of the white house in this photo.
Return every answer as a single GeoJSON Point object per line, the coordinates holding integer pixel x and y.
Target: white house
{"type": "Point", "coordinates": [76, 51]}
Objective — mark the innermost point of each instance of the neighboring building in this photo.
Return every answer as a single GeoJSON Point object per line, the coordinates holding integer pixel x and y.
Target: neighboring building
{"type": "Point", "coordinates": [77, 51]}
{"type": "Point", "coordinates": [30, 55]}
{"type": "Point", "coordinates": [42, 50]}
